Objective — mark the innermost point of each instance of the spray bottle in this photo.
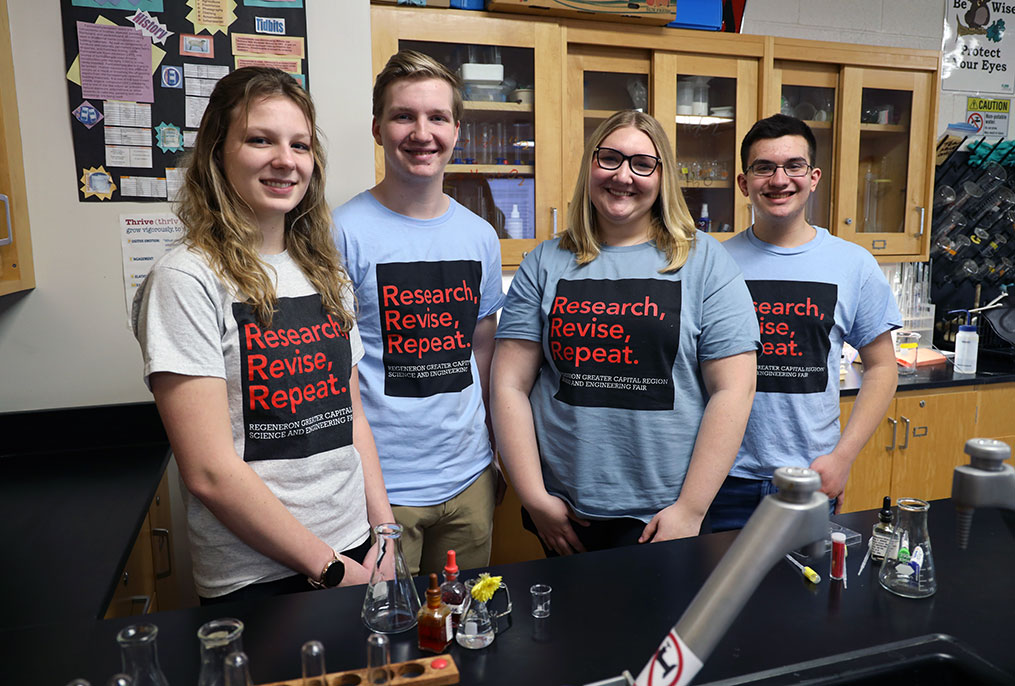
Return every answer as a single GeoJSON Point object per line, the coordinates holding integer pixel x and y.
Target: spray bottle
{"type": "Point", "coordinates": [967, 342]}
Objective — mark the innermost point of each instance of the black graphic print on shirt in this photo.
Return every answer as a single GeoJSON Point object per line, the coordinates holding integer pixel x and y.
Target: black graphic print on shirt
{"type": "Point", "coordinates": [796, 318]}
{"type": "Point", "coordinates": [428, 313]}
{"type": "Point", "coordinates": [614, 342]}
{"type": "Point", "coordinates": [295, 381]}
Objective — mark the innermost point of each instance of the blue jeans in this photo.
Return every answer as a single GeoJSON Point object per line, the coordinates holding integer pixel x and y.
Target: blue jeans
{"type": "Point", "coordinates": [737, 499]}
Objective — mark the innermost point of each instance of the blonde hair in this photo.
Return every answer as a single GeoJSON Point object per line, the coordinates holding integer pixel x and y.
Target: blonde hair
{"type": "Point", "coordinates": [218, 221]}
{"type": "Point", "coordinates": [672, 227]}
{"type": "Point", "coordinates": [413, 65]}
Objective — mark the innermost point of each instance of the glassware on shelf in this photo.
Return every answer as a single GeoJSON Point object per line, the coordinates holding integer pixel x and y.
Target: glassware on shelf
{"type": "Point", "coordinates": [218, 638]}
{"type": "Point", "coordinates": [391, 602]}
{"type": "Point", "coordinates": [468, 132]}
{"type": "Point", "coordinates": [908, 567]}
{"type": "Point", "coordinates": [140, 656]}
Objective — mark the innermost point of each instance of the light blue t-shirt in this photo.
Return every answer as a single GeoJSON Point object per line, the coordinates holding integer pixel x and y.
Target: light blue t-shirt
{"type": "Point", "coordinates": [809, 299]}
{"type": "Point", "coordinates": [421, 286]}
{"type": "Point", "coordinates": [619, 396]}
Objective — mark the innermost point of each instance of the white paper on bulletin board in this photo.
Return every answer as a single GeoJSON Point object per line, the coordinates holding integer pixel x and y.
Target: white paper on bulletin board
{"type": "Point", "coordinates": [144, 238]}
{"type": "Point", "coordinates": [978, 46]}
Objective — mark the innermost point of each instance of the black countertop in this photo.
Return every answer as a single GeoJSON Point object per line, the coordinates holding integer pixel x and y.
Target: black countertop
{"type": "Point", "coordinates": [989, 371]}
{"type": "Point", "coordinates": [70, 508]}
{"type": "Point", "coordinates": [609, 612]}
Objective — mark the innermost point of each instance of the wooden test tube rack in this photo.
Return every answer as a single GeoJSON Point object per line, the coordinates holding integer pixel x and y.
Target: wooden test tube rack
{"type": "Point", "coordinates": [419, 672]}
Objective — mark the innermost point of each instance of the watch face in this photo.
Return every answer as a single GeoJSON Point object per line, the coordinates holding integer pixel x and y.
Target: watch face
{"type": "Point", "coordinates": [334, 574]}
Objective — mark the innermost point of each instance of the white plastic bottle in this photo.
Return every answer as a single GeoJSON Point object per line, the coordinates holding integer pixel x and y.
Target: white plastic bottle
{"type": "Point", "coordinates": [704, 223]}
{"type": "Point", "coordinates": [967, 342]}
{"type": "Point", "coordinates": [513, 226]}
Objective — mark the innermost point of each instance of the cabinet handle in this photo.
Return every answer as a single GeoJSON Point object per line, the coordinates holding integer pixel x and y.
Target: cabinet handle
{"type": "Point", "coordinates": [905, 443]}
{"type": "Point", "coordinates": [10, 227]}
{"type": "Point", "coordinates": [553, 214]}
{"type": "Point", "coordinates": [895, 430]}
{"type": "Point", "coordinates": [145, 601]}
{"type": "Point", "coordinates": [923, 214]}
{"type": "Point", "coordinates": [161, 537]}
{"type": "Point", "coordinates": [849, 220]}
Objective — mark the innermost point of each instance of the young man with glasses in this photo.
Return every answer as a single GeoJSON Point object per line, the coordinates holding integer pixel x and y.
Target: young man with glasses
{"type": "Point", "coordinates": [427, 277]}
{"type": "Point", "coordinates": [811, 292]}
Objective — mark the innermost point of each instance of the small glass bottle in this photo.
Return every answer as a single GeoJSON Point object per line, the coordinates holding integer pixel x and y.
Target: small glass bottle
{"type": "Point", "coordinates": [312, 659]}
{"type": "Point", "coordinates": [453, 591]}
{"type": "Point", "coordinates": [434, 620]}
{"type": "Point", "coordinates": [218, 638]}
{"type": "Point", "coordinates": [236, 669]}
{"type": "Point", "coordinates": [881, 536]}
{"type": "Point", "coordinates": [140, 654]}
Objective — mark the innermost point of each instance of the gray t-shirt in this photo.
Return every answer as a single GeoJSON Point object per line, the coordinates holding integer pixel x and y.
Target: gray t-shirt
{"type": "Point", "coordinates": [619, 396]}
{"type": "Point", "coordinates": [289, 403]}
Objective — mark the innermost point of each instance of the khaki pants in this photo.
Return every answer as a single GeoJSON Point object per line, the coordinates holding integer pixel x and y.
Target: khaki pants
{"type": "Point", "coordinates": [463, 524]}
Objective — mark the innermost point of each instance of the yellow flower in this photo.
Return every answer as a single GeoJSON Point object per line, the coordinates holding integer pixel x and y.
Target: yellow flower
{"type": "Point", "coordinates": [484, 589]}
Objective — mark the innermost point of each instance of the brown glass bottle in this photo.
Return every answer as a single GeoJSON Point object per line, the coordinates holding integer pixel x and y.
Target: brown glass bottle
{"type": "Point", "coordinates": [434, 620]}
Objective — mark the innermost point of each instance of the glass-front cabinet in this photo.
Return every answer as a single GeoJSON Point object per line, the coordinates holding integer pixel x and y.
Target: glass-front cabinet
{"type": "Point", "coordinates": [709, 105]}
{"type": "Point", "coordinates": [600, 81]}
{"type": "Point", "coordinates": [884, 163]}
{"type": "Point", "coordinates": [507, 79]}
{"type": "Point", "coordinates": [809, 92]}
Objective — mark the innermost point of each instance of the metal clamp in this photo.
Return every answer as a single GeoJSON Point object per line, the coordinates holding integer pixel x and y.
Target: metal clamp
{"type": "Point", "coordinates": [895, 431]}
{"type": "Point", "coordinates": [160, 537]}
{"type": "Point", "coordinates": [10, 227]}
{"type": "Point", "coordinates": [906, 443]}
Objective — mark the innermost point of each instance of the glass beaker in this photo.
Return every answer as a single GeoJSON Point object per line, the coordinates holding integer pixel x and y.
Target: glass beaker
{"type": "Point", "coordinates": [907, 348]}
{"type": "Point", "coordinates": [391, 601]}
{"type": "Point", "coordinates": [480, 623]}
{"type": "Point", "coordinates": [140, 656]}
{"type": "Point", "coordinates": [218, 638]}
{"type": "Point", "coordinates": [908, 567]}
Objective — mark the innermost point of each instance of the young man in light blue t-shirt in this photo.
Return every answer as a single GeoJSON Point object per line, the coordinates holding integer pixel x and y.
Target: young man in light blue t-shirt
{"type": "Point", "coordinates": [811, 292]}
{"type": "Point", "coordinates": [427, 277]}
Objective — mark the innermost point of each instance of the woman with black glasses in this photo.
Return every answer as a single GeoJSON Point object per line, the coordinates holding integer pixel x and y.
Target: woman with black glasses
{"type": "Point", "coordinates": [625, 363]}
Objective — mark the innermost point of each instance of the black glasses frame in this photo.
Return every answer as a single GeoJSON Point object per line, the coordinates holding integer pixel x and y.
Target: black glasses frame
{"type": "Point", "coordinates": [807, 170]}
{"type": "Point", "coordinates": [628, 159]}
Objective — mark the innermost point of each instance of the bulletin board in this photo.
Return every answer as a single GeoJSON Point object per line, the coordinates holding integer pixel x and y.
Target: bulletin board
{"type": "Point", "coordinates": [139, 73]}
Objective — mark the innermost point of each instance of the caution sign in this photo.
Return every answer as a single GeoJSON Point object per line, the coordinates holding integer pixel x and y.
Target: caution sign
{"type": "Point", "coordinates": [988, 115]}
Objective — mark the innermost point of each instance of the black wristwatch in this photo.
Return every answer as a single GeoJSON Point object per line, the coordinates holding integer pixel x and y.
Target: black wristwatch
{"type": "Point", "coordinates": [331, 575]}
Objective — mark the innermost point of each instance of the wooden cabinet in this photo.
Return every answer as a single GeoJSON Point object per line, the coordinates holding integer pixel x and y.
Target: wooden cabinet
{"type": "Point", "coordinates": [147, 583]}
{"type": "Point", "coordinates": [915, 450]}
{"type": "Point", "coordinates": [872, 113]}
{"type": "Point", "coordinates": [16, 269]}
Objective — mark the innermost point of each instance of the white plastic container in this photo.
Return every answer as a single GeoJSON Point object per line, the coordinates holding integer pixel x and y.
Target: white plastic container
{"type": "Point", "coordinates": [513, 225]}
{"type": "Point", "coordinates": [967, 342]}
{"type": "Point", "coordinates": [486, 74]}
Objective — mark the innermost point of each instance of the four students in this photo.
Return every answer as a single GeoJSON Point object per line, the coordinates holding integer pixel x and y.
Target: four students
{"type": "Point", "coordinates": [625, 366]}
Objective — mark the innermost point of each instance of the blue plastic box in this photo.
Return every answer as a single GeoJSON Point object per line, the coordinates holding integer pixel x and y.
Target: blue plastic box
{"type": "Point", "coordinates": [704, 15]}
{"type": "Point", "coordinates": [468, 4]}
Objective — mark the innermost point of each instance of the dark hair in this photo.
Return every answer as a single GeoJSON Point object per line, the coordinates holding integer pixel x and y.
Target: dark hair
{"type": "Point", "coordinates": [777, 126]}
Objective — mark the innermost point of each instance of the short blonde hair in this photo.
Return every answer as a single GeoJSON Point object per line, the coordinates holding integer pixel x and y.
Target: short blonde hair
{"type": "Point", "coordinates": [672, 226]}
{"type": "Point", "coordinates": [414, 65]}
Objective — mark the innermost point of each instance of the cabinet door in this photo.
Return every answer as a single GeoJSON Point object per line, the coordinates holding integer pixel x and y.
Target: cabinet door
{"type": "Point", "coordinates": [16, 270]}
{"type": "Point", "coordinates": [884, 165]}
{"type": "Point", "coordinates": [870, 478]}
{"type": "Point", "coordinates": [933, 428]}
{"type": "Point", "coordinates": [600, 80]}
{"type": "Point", "coordinates": [511, 123]}
{"type": "Point", "coordinates": [810, 92]}
{"type": "Point", "coordinates": [707, 104]}
{"type": "Point", "coordinates": [994, 413]}
{"type": "Point", "coordinates": [135, 590]}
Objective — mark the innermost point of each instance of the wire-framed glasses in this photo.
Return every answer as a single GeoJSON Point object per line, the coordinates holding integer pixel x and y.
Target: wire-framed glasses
{"type": "Point", "coordinates": [792, 168]}
{"type": "Point", "coordinates": [610, 159]}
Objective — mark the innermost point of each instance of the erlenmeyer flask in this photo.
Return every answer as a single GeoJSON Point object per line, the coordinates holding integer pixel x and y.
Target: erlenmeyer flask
{"type": "Point", "coordinates": [140, 654]}
{"type": "Point", "coordinates": [218, 638]}
{"type": "Point", "coordinates": [908, 567]}
{"type": "Point", "coordinates": [391, 601]}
